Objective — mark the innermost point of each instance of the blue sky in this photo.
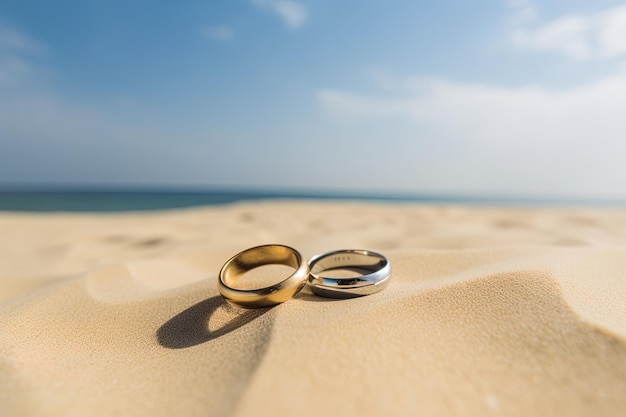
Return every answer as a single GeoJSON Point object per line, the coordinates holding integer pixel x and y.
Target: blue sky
{"type": "Point", "coordinates": [497, 98]}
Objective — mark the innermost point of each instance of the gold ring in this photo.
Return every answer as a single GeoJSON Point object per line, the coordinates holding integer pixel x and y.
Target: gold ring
{"type": "Point", "coordinates": [252, 258]}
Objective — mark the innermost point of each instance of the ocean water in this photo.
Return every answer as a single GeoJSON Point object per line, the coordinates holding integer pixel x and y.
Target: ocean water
{"type": "Point", "coordinates": [142, 200]}
{"type": "Point", "coordinates": [139, 200]}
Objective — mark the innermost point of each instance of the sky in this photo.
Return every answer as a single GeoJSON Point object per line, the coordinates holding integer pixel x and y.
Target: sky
{"type": "Point", "coordinates": [501, 98]}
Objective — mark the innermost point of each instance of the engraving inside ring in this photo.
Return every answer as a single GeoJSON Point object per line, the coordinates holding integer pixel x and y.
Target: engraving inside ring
{"type": "Point", "coordinates": [348, 265]}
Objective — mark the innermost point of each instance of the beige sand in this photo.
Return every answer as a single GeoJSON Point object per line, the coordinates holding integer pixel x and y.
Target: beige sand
{"type": "Point", "coordinates": [490, 312]}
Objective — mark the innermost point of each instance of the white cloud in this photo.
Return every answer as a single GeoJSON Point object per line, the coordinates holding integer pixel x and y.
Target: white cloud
{"type": "Point", "coordinates": [496, 114]}
{"type": "Point", "coordinates": [550, 142]}
{"type": "Point", "coordinates": [15, 41]}
{"type": "Point", "coordinates": [294, 14]}
{"type": "Point", "coordinates": [219, 33]}
{"type": "Point", "coordinates": [525, 10]}
{"type": "Point", "coordinates": [16, 50]}
{"type": "Point", "coordinates": [612, 32]}
{"type": "Point", "coordinates": [600, 35]}
{"type": "Point", "coordinates": [46, 136]}
{"type": "Point", "coordinates": [13, 70]}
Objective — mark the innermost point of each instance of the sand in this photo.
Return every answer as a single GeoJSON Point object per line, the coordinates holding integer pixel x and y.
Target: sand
{"type": "Point", "coordinates": [490, 311]}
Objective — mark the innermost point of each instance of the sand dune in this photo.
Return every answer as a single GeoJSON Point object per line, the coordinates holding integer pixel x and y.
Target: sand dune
{"type": "Point", "coordinates": [491, 311]}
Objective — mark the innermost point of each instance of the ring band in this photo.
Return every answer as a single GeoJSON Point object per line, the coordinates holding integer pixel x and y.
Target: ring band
{"type": "Point", "coordinates": [252, 258]}
{"type": "Point", "coordinates": [376, 270]}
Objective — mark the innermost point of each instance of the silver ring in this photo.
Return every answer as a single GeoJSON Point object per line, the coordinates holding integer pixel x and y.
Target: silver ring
{"type": "Point", "coordinates": [375, 270]}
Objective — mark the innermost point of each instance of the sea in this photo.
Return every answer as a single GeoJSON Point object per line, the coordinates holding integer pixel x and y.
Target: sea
{"type": "Point", "coordinates": [111, 200]}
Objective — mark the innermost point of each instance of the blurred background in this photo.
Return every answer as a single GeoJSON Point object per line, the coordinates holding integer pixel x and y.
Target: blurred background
{"type": "Point", "coordinates": [493, 99]}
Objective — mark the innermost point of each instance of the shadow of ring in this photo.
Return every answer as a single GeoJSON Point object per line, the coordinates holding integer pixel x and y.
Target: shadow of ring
{"type": "Point", "coordinates": [190, 327]}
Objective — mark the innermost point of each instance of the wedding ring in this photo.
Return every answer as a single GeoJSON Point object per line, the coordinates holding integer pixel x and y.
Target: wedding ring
{"type": "Point", "coordinates": [252, 258]}
{"type": "Point", "coordinates": [374, 268]}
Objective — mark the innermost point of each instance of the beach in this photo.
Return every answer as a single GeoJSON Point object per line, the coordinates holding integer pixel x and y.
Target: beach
{"type": "Point", "coordinates": [510, 311]}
